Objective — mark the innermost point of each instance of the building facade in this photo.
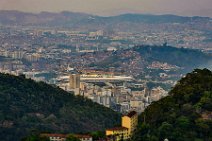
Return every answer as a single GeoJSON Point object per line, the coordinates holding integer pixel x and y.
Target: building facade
{"type": "Point", "coordinates": [118, 133]}
{"type": "Point", "coordinates": [129, 124]}
{"type": "Point", "coordinates": [130, 121]}
{"type": "Point", "coordinates": [74, 81]}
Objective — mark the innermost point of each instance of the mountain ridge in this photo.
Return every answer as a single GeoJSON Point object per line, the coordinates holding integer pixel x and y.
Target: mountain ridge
{"type": "Point", "coordinates": [71, 19]}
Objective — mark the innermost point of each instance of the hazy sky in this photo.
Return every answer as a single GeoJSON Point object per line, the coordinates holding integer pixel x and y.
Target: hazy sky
{"type": "Point", "coordinates": [113, 7]}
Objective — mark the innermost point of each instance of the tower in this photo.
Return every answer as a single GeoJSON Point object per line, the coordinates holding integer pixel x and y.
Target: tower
{"type": "Point", "coordinates": [77, 48]}
{"type": "Point", "coordinates": [74, 81]}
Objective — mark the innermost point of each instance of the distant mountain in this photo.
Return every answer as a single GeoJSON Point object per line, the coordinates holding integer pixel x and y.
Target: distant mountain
{"type": "Point", "coordinates": [155, 18]}
{"type": "Point", "coordinates": [184, 115]}
{"type": "Point", "coordinates": [43, 18]}
{"type": "Point", "coordinates": [80, 21]}
{"type": "Point", "coordinates": [27, 106]}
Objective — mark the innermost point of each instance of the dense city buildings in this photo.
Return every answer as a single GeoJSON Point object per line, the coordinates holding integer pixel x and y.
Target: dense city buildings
{"type": "Point", "coordinates": [101, 64]}
{"type": "Point", "coordinates": [114, 78]}
{"type": "Point", "coordinates": [64, 58]}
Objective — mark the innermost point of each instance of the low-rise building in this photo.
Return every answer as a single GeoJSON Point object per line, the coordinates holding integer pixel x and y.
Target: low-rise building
{"type": "Point", "coordinates": [84, 137]}
{"type": "Point", "coordinates": [118, 133]}
{"type": "Point", "coordinates": [63, 137]}
{"type": "Point", "coordinates": [55, 137]}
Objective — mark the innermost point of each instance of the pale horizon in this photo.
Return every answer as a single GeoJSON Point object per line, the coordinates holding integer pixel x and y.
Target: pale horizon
{"type": "Point", "coordinates": [113, 7]}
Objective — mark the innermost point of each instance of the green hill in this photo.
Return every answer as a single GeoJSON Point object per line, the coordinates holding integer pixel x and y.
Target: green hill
{"type": "Point", "coordinates": [185, 115]}
{"type": "Point", "coordinates": [27, 106]}
{"type": "Point", "coordinates": [187, 59]}
{"type": "Point", "coordinates": [181, 57]}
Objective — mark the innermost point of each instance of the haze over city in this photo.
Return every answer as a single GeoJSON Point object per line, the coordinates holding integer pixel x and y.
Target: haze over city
{"type": "Point", "coordinates": [113, 7]}
{"type": "Point", "coordinates": [106, 70]}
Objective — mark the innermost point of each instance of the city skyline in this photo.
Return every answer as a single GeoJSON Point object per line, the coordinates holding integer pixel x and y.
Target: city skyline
{"type": "Point", "coordinates": [113, 7]}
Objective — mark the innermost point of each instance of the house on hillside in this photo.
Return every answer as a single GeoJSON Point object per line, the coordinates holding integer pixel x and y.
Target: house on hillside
{"type": "Point", "coordinates": [55, 137]}
{"type": "Point", "coordinates": [62, 137]}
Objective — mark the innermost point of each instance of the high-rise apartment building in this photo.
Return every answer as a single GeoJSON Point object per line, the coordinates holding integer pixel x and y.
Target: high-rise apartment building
{"type": "Point", "coordinates": [74, 81]}
{"type": "Point", "coordinates": [129, 124]}
{"type": "Point", "coordinates": [130, 121]}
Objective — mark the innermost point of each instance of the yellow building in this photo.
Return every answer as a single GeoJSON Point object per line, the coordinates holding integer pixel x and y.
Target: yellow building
{"type": "Point", "coordinates": [130, 121]}
{"type": "Point", "coordinates": [118, 133]}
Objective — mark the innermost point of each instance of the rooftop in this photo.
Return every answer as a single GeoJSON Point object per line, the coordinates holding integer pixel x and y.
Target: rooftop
{"type": "Point", "coordinates": [55, 135]}
{"type": "Point", "coordinates": [131, 114]}
{"type": "Point", "coordinates": [82, 136]}
{"type": "Point", "coordinates": [117, 128]}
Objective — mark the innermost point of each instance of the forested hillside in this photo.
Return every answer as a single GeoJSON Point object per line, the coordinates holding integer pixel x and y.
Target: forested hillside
{"type": "Point", "coordinates": [187, 59]}
{"type": "Point", "coordinates": [185, 115]}
{"type": "Point", "coordinates": [27, 106]}
{"type": "Point", "coordinates": [182, 57]}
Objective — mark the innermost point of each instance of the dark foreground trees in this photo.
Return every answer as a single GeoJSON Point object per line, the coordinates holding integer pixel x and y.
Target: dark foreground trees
{"type": "Point", "coordinates": [185, 115]}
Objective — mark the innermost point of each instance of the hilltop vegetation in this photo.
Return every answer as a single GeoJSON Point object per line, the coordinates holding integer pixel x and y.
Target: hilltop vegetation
{"type": "Point", "coordinates": [27, 106]}
{"type": "Point", "coordinates": [181, 57]}
{"type": "Point", "coordinates": [185, 115]}
{"type": "Point", "coordinates": [188, 59]}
